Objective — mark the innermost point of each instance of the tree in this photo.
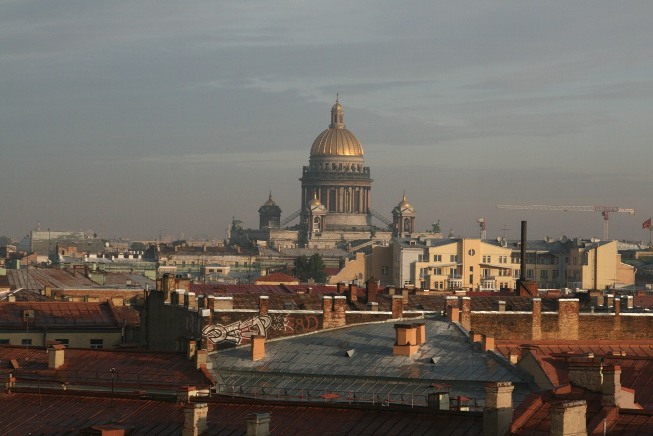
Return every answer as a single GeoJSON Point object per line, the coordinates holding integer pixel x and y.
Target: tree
{"type": "Point", "coordinates": [138, 246]}
{"type": "Point", "coordinates": [310, 268]}
{"type": "Point", "coordinates": [4, 241]}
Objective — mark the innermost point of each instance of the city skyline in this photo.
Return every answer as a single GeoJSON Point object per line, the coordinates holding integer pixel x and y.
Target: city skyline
{"type": "Point", "coordinates": [139, 120]}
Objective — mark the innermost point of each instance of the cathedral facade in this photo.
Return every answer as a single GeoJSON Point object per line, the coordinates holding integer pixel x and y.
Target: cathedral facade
{"type": "Point", "coordinates": [336, 195]}
{"type": "Point", "coordinates": [336, 185]}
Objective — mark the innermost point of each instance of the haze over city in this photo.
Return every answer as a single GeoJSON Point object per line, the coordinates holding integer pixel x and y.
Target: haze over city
{"type": "Point", "coordinates": [145, 118]}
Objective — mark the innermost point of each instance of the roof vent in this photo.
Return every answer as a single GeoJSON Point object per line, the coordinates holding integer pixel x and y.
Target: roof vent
{"type": "Point", "coordinates": [350, 353]}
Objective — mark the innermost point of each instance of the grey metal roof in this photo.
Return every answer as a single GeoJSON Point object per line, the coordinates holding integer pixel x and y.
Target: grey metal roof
{"type": "Point", "coordinates": [318, 363]}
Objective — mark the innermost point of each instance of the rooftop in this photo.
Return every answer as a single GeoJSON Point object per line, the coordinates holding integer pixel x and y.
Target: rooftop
{"type": "Point", "coordinates": [358, 362]}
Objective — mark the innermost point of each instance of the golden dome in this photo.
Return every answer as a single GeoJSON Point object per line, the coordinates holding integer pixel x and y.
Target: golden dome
{"type": "Point", "coordinates": [404, 204]}
{"type": "Point", "coordinates": [314, 202]}
{"type": "Point", "coordinates": [336, 140]}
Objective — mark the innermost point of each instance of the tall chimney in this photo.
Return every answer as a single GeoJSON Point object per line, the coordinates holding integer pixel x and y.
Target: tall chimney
{"type": "Point", "coordinates": [497, 414]}
{"type": "Point", "coordinates": [195, 419]}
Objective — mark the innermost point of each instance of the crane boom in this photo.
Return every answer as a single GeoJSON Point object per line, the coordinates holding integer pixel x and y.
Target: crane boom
{"type": "Point", "coordinates": [605, 210]}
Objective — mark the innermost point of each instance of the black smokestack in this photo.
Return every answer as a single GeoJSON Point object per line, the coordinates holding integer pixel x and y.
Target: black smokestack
{"type": "Point", "coordinates": [522, 269]}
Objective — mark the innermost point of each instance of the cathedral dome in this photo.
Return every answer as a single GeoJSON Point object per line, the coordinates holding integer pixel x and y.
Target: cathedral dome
{"type": "Point", "coordinates": [336, 140]}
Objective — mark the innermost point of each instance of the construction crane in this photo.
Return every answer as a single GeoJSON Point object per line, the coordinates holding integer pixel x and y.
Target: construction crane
{"type": "Point", "coordinates": [605, 211]}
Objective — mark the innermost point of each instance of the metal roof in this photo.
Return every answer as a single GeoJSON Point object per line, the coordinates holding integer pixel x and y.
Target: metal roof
{"type": "Point", "coordinates": [313, 364]}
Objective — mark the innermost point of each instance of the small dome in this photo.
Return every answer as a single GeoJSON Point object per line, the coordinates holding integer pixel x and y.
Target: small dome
{"type": "Point", "coordinates": [314, 203]}
{"type": "Point", "coordinates": [404, 204]}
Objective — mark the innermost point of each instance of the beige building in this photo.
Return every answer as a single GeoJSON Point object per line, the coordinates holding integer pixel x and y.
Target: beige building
{"type": "Point", "coordinates": [487, 265]}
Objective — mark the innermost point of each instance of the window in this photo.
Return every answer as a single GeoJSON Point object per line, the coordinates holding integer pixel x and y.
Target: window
{"type": "Point", "coordinates": [26, 342]}
{"type": "Point", "coordinates": [97, 343]}
{"type": "Point", "coordinates": [4, 341]}
{"type": "Point", "coordinates": [556, 274]}
{"type": "Point", "coordinates": [471, 279]}
{"type": "Point", "coordinates": [437, 258]}
{"type": "Point", "coordinates": [65, 342]}
{"type": "Point", "coordinates": [487, 259]}
{"type": "Point", "coordinates": [453, 258]}
{"type": "Point", "coordinates": [384, 270]}
{"type": "Point", "coordinates": [529, 273]}
{"type": "Point", "coordinates": [544, 274]}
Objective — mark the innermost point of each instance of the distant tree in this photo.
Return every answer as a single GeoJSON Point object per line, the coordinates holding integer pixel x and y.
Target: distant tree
{"type": "Point", "coordinates": [5, 240]}
{"type": "Point", "coordinates": [138, 246]}
{"type": "Point", "coordinates": [310, 268]}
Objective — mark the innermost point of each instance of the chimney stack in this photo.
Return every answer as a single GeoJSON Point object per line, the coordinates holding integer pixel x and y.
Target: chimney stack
{"type": "Point", "coordinates": [371, 289]}
{"type": "Point", "coordinates": [406, 343]}
{"type": "Point", "coordinates": [258, 347]}
{"type": "Point", "coordinates": [352, 294]}
{"type": "Point", "coordinates": [568, 418]}
{"type": "Point", "coordinates": [397, 307]}
{"type": "Point", "coordinates": [195, 419]}
{"type": "Point", "coordinates": [258, 424]}
{"type": "Point", "coordinates": [497, 414]}
{"type": "Point", "coordinates": [263, 303]}
{"type": "Point", "coordinates": [56, 356]}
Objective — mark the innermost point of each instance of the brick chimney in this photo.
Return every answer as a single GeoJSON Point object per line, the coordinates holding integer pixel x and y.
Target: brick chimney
{"type": "Point", "coordinates": [352, 293]}
{"type": "Point", "coordinates": [466, 313]}
{"type": "Point", "coordinates": [195, 419]}
{"type": "Point", "coordinates": [56, 356]}
{"type": "Point", "coordinates": [258, 347]}
{"type": "Point", "coordinates": [568, 318]}
{"type": "Point", "coordinates": [340, 287]}
{"type": "Point", "coordinates": [258, 424]}
{"type": "Point", "coordinates": [536, 326]}
{"type": "Point", "coordinates": [397, 307]}
{"type": "Point", "coordinates": [453, 313]}
{"type": "Point", "coordinates": [371, 289]}
{"type": "Point", "coordinates": [497, 413]}
{"type": "Point", "coordinates": [568, 418]}
{"type": "Point", "coordinates": [617, 306]}
{"type": "Point", "coordinates": [487, 342]}
{"type": "Point", "coordinates": [420, 332]}
{"type": "Point", "coordinates": [190, 351]}
{"type": "Point", "coordinates": [501, 306]}
{"type": "Point", "coordinates": [263, 303]}
{"type": "Point", "coordinates": [406, 343]}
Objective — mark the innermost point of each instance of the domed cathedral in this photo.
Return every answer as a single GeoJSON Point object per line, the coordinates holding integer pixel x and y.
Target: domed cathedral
{"type": "Point", "coordinates": [336, 178]}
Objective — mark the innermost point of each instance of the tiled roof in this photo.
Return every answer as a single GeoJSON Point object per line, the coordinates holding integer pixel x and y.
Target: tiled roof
{"type": "Point", "coordinates": [636, 362]}
{"type": "Point", "coordinates": [57, 314]}
{"type": "Point", "coordinates": [201, 289]}
{"type": "Point", "coordinates": [30, 413]}
{"type": "Point", "coordinates": [277, 277]}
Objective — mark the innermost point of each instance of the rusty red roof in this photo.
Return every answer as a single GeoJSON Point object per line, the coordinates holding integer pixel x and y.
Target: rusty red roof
{"type": "Point", "coordinates": [277, 277]}
{"type": "Point", "coordinates": [635, 357]}
{"type": "Point", "coordinates": [134, 369]}
{"type": "Point", "coordinates": [31, 413]}
{"type": "Point", "coordinates": [59, 314]}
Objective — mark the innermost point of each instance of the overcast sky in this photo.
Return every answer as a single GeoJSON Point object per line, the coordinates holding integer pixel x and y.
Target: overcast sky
{"type": "Point", "coordinates": [135, 118]}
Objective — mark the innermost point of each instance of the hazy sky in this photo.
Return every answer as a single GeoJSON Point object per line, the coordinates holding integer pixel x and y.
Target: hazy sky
{"type": "Point", "coordinates": [133, 118]}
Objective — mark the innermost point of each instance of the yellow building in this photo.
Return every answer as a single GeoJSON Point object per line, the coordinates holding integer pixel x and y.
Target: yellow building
{"type": "Point", "coordinates": [464, 264]}
{"type": "Point", "coordinates": [489, 265]}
